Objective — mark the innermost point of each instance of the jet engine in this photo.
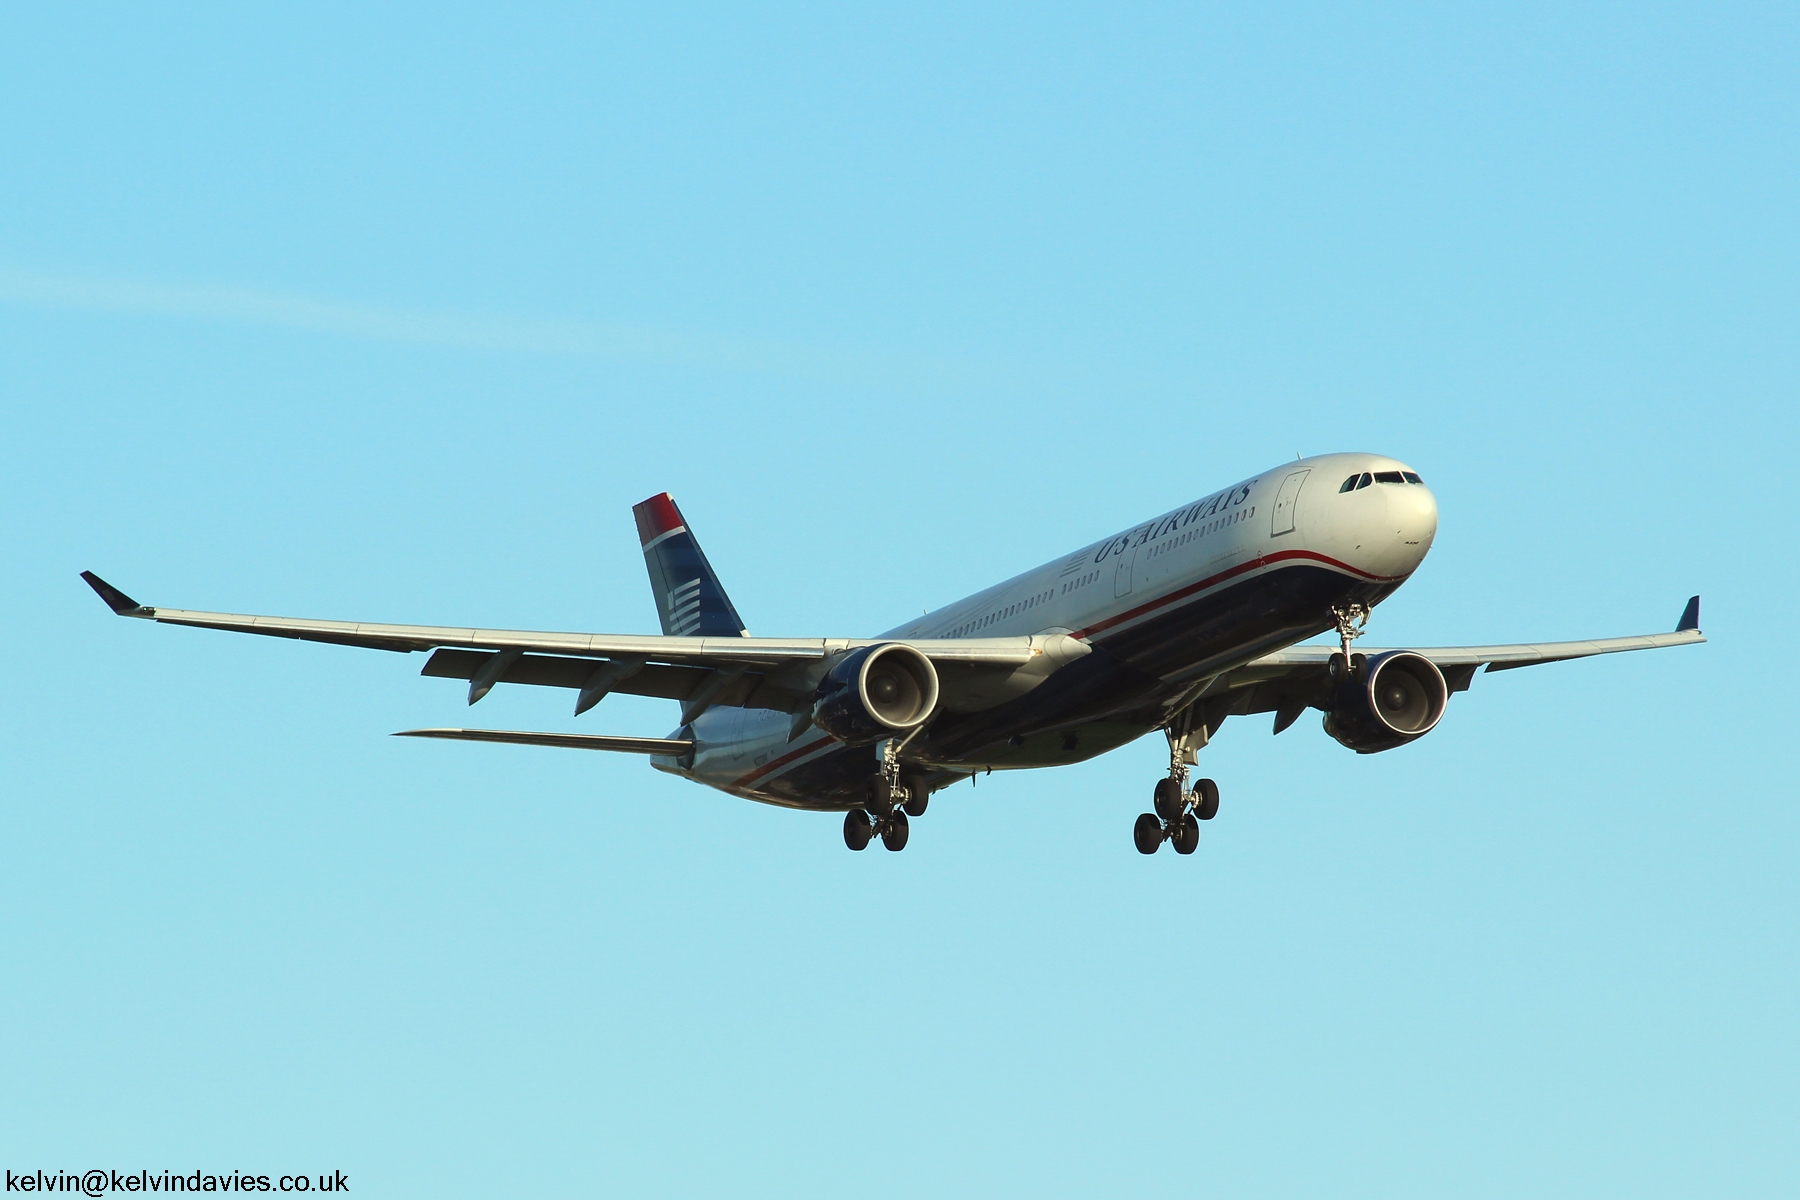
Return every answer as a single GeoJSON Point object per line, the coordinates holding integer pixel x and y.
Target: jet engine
{"type": "Point", "coordinates": [1385, 701]}
{"type": "Point", "coordinates": [875, 692]}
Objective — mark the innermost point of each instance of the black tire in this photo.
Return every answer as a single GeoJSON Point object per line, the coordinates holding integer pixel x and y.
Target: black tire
{"type": "Point", "coordinates": [1186, 835]}
{"type": "Point", "coordinates": [880, 795]}
{"type": "Point", "coordinates": [894, 836]}
{"type": "Point", "coordinates": [1147, 833]}
{"type": "Point", "coordinates": [1206, 799]}
{"type": "Point", "coordinates": [1169, 800]}
{"type": "Point", "coordinates": [918, 794]}
{"type": "Point", "coordinates": [857, 829]}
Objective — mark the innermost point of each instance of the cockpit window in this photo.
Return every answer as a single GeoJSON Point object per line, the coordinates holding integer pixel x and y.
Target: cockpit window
{"type": "Point", "coordinates": [1365, 479]}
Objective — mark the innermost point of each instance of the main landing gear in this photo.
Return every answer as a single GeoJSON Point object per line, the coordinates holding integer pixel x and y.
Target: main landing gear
{"type": "Point", "coordinates": [1178, 811]}
{"type": "Point", "coordinates": [891, 799]}
{"type": "Point", "coordinates": [885, 813]}
{"type": "Point", "coordinates": [1177, 817]}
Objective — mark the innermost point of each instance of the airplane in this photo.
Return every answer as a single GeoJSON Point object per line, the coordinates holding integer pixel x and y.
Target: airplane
{"type": "Point", "coordinates": [1174, 624]}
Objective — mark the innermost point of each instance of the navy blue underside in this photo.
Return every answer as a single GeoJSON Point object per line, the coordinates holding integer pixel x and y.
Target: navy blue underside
{"type": "Point", "coordinates": [1127, 676]}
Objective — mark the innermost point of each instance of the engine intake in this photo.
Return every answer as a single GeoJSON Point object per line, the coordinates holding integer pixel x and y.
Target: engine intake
{"type": "Point", "coordinates": [1385, 701]}
{"type": "Point", "coordinates": [874, 692]}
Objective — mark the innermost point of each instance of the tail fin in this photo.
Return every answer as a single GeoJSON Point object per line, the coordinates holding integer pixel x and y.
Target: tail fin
{"type": "Point", "coordinates": [688, 596]}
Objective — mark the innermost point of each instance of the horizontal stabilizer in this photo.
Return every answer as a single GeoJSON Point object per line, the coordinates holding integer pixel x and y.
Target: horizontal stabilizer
{"type": "Point", "coordinates": [673, 747]}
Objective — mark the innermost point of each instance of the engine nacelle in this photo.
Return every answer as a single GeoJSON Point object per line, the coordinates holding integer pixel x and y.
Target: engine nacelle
{"type": "Point", "coordinates": [1385, 701]}
{"type": "Point", "coordinates": [875, 692]}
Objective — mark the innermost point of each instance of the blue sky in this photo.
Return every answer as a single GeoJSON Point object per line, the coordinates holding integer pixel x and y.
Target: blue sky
{"type": "Point", "coordinates": [392, 314]}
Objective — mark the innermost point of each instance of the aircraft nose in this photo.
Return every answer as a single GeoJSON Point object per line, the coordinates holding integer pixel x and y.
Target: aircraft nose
{"type": "Point", "coordinates": [1390, 524]}
{"type": "Point", "coordinates": [1413, 516]}
{"type": "Point", "coordinates": [1379, 521]}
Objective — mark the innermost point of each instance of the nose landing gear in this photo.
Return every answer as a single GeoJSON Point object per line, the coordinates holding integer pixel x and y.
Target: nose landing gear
{"type": "Point", "coordinates": [1178, 811]}
{"type": "Point", "coordinates": [1351, 620]}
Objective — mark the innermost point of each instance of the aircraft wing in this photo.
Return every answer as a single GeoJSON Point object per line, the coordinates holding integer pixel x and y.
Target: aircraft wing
{"type": "Point", "coordinates": [1288, 681]}
{"type": "Point", "coordinates": [700, 671]}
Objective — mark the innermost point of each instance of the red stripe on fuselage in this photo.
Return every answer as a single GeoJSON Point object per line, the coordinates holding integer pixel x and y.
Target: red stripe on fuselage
{"type": "Point", "coordinates": [1200, 586]}
{"type": "Point", "coordinates": [1131, 614]}
{"type": "Point", "coordinates": [784, 760]}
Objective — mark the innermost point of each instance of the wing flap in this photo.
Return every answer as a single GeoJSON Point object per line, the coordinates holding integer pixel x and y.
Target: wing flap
{"type": "Point", "coordinates": [662, 681]}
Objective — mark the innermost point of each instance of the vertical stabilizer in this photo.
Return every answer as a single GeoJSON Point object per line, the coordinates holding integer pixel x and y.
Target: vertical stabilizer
{"type": "Point", "coordinates": [689, 599]}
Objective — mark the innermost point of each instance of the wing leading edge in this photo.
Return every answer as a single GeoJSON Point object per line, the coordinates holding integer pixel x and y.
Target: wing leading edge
{"type": "Point", "coordinates": [1506, 657]}
{"type": "Point", "coordinates": [697, 651]}
{"type": "Point", "coordinates": [677, 668]}
{"type": "Point", "coordinates": [1288, 681]}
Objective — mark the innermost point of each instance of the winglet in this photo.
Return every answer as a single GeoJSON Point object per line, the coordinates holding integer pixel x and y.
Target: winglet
{"type": "Point", "coordinates": [116, 600]}
{"type": "Point", "coordinates": [1690, 616]}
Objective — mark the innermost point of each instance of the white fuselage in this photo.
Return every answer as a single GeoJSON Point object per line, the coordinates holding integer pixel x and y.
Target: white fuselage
{"type": "Point", "coordinates": [1195, 591]}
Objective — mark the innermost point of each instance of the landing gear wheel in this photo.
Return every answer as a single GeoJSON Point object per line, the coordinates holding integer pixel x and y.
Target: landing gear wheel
{"type": "Point", "coordinates": [1147, 833]}
{"type": "Point", "coordinates": [857, 829]}
{"type": "Point", "coordinates": [894, 835]}
{"type": "Point", "coordinates": [1206, 799]}
{"type": "Point", "coordinates": [1184, 834]}
{"type": "Point", "coordinates": [917, 794]}
{"type": "Point", "coordinates": [881, 797]}
{"type": "Point", "coordinates": [1170, 803]}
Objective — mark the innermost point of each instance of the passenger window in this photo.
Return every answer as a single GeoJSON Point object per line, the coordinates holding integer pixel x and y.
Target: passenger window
{"type": "Point", "coordinates": [1388, 477]}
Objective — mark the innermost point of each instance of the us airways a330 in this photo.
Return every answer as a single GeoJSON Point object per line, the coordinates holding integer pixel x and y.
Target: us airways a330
{"type": "Point", "coordinates": [1174, 625]}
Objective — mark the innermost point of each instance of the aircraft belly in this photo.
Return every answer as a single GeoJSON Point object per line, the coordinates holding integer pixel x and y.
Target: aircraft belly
{"type": "Point", "coordinates": [1094, 704]}
{"type": "Point", "coordinates": [1241, 621]}
{"type": "Point", "coordinates": [831, 781]}
{"type": "Point", "coordinates": [1134, 670]}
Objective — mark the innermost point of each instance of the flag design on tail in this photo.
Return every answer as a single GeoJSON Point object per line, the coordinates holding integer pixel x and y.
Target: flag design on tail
{"type": "Point", "coordinates": [689, 598]}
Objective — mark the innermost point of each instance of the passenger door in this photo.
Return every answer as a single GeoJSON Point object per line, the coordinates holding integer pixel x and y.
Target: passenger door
{"type": "Point", "coordinates": [1286, 501]}
{"type": "Point", "coordinates": [1122, 573]}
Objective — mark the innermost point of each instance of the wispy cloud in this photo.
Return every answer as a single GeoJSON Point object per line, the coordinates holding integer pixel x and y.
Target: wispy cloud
{"type": "Point", "coordinates": [607, 341]}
